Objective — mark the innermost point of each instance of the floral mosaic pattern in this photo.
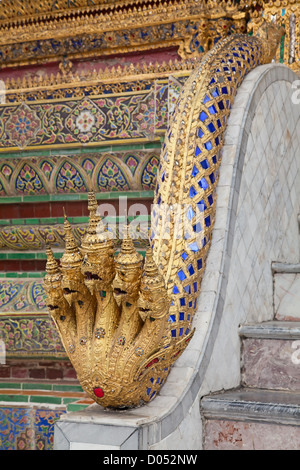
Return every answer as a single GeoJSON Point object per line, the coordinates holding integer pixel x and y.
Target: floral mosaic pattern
{"type": "Point", "coordinates": [25, 326]}
{"type": "Point", "coordinates": [14, 429]}
{"type": "Point", "coordinates": [30, 336]}
{"type": "Point", "coordinates": [88, 121]}
{"type": "Point", "coordinates": [23, 125]}
{"type": "Point", "coordinates": [119, 171]}
{"type": "Point", "coordinates": [119, 116]}
{"type": "Point", "coordinates": [24, 428]}
{"type": "Point", "coordinates": [22, 296]}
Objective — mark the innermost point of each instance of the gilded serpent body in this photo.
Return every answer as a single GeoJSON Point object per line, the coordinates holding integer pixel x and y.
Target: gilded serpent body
{"type": "Point", "coordinates": [185, 198]}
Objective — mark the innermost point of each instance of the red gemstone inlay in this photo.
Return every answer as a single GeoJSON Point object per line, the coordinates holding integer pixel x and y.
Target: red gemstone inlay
{"type": "Point", "coordinates": [98, 392]}
{"type": "Point", "coordinates": [152, 362]}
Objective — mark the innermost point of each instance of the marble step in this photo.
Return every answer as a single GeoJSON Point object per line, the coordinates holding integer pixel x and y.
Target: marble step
{"type": "Point", "coordinates": [251, 419]}
{"type": "Point", "coordinates": [270, 355]}
{"type": "Point", "coordinates": [286, 294]}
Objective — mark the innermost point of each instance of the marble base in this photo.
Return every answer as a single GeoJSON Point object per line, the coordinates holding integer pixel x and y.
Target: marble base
{"type": "Point", "coordinates": [287, 294]}
{"type": "Point", "coordinates": [247, 404]}
{"type": "Point", "coordinates": [271, 355]}
{"type": "Point", "coordinates": [272, 364]}
{"type": "Point", "coordinates": [236, 435]}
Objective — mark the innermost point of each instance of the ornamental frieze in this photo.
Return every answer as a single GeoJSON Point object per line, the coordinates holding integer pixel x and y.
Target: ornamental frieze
{"type": "Point", "coordinates": [71, 122]}
{"type": "Point", "coordinates": [133, 170]}
{"type": "Point", "coordinates": [191, 26]}
{"type": "Point", "coordinates": [92, 120]}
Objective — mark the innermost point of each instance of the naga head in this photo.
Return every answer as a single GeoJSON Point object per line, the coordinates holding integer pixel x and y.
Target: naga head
{"type": "Point", "coordinates": [270, 35]}
{"type": "Point", "coordinates": [72, 278]}
{"type": "Point", "coordinates": [52, 283]}
{"type": "Point", "coordinates": [153, 302]}
{"type": "Point", "coordinates": [97, 248]}
{"type": "Point", "coordinates": [128, 272]}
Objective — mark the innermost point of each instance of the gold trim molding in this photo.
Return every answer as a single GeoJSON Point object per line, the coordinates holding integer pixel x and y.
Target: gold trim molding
{"type": "Point", "coordinates": [90, 31]}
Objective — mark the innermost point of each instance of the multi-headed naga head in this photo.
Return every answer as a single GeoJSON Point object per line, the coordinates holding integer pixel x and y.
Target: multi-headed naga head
{"type": "Point", "coordinates": [52, 282]}
{"type": "Point", "coordinates": [153, 300]}
{"type": "Point", "coordinates": [128, 271]}
{"type": "Point", "coordinates": [72, 278]}
{"type": "Point", "coordinates": [270, 35]}
{"type": "Point", "coordinates": [97, 248]}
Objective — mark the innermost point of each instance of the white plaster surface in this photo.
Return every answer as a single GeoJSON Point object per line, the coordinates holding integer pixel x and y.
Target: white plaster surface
{"type": "Point", "coordinates": [287, 296]}
{"type": "Point", "coordinates": [266, 219]}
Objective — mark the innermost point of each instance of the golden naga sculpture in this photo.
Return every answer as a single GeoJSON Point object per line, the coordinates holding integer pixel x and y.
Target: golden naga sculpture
{"type": "Point", "coordinates": [124, 321]}
{"type": "Point", "coordinates": [112, 315]}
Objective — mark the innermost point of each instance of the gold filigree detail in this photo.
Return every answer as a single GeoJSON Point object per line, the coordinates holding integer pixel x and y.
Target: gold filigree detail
{"type": "Point", "coordinates": [149, 26]}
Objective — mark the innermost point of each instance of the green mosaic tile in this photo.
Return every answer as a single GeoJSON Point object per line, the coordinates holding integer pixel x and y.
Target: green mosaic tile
{"type": "Point", "coordinates": [20, 256]}
{"type": "Point", "coordinates": [65, 197]}
{"type": "Point", "coordinates": [36, 386]}
{"type": "Point", "coordinates": [71, 151]}
{"type": "Point", "coordinates": [35, 275]}
{"type": "Point", "coordinates": [11, 200]}
{"type": "Point", "coordinates": [79, 220]}
{"type": "Point", "coordinates": [17, 221]}
{"type": "Point", "coordinates": [126, 148]}
{"type": "Point", "coordinates": [67, 388]}
{"type": "Point", "coordinates": [44, 256]}
{"type": "Point", "coordinates": [24, 275]}
{"type": "Point", "coordinates": [105, 148]}
{"type": "Point", "coordinates": [67, 401]}
{"type": "Point", "coordinates": [16, 398]}
{"type": "Point", "coordinates": [76, 197]}
{"type": "Point", "coordinates": [25, 256]}
{"type": "Point", "coordinates": [10, 385]}
{"type": "Point", "coordinates": [32, 221]}
{"type": "Point", "coordinates": [152, 145]}
{"type": "Point", "coordinates": [45, 399]}
{"type": "Point", "coordinates": [47, 220]}
{"type": "Point", "coordinates": [76, 407]}
{"type": "Point", "coordinates": [42, 198]}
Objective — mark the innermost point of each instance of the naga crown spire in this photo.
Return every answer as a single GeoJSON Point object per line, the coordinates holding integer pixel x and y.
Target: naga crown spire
{"type": "Point", "coordinates": [52, 267]}
{"type": "Point", "coordinates": [128, 255]}
{"type": "Point", "coordinates": [72, 257]}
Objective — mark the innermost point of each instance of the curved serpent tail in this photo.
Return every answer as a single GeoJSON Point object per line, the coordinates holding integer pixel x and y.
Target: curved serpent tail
{"type": "Point", "coordinates": [185, 198]}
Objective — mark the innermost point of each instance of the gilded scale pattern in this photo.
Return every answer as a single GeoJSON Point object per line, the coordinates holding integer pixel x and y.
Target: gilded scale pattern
{"type": "Point", "coordinates": [122, 322]}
